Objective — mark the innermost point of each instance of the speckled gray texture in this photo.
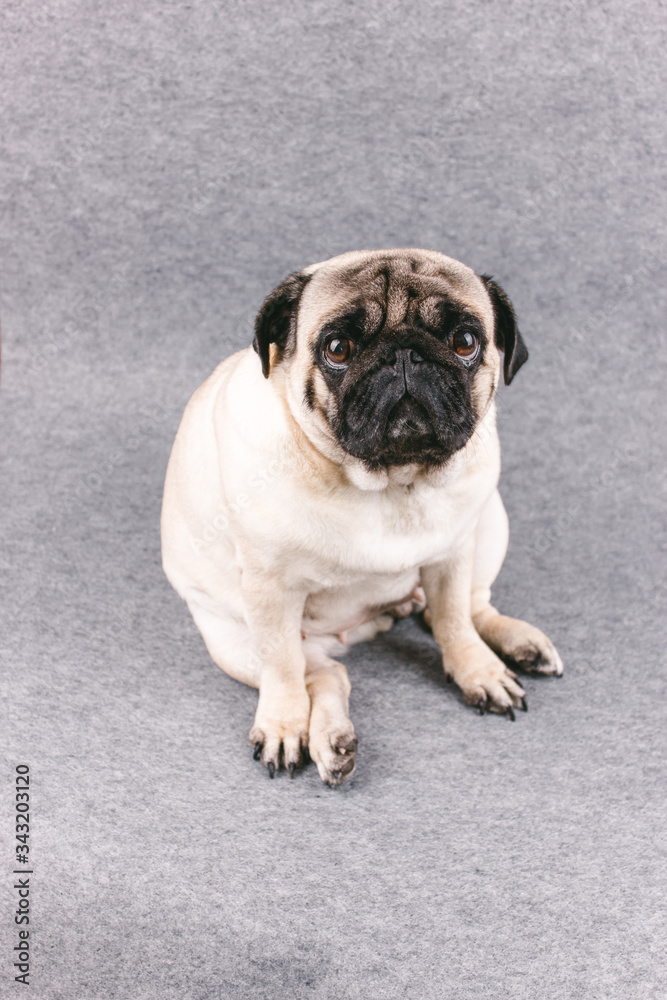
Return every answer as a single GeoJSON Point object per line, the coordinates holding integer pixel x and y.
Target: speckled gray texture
{"type": "Point", "coordinates": [163, 166]}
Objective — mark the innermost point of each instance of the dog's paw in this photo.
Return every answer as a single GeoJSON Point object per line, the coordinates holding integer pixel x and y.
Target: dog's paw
{"type": "Point", "coordinates": [536, 654]}
{"type": "Point", "coordinates": [522, 645]}
{"type": "Point", "coordinates": [334, 750]}
{"type": "Point", "coordinates": [279, 741]}
{"type": "Point", "coordinates": [487, 683]}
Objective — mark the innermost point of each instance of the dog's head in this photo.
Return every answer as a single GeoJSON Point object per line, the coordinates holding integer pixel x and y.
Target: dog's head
{"type": "Point", "coordinates": [394, 354]}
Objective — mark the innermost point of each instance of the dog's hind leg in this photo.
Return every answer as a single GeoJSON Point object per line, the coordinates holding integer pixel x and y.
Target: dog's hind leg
{"type": "Point", "coordinates": [332, 742]}
{"type": "Point", "coordinates": [228, 641]}
{"type": "Point", "coordinates": [512, 639]}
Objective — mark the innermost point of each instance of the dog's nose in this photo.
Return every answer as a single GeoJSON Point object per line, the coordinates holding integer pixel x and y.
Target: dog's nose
{"type": "Point", "coordinates": [409, 355]}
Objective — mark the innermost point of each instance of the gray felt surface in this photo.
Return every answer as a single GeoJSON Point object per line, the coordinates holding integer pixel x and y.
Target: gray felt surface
{"type": "Point", "coordinates": [164, 166]}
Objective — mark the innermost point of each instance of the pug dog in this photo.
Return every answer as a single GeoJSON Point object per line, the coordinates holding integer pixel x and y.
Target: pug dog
{"type": "Point", "coordinates": [340, 473]}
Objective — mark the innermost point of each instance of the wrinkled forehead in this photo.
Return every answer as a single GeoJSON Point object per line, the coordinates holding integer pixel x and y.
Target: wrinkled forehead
{"type": "Point", "coordinates": [394, 287]}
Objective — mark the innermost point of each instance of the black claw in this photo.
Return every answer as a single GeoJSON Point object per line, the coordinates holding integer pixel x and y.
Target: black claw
{"type": "Point", "coordinates": [257, 752]}
{"type": "Point", "coordinates": [271, 768]}
{"type": "Point", "coordinates": [291, 768]}
{"type": "Point", "coordinates": [510, 713]}
{"type": "Point", "coordinates": [524, 704]}
{"type": "Point", "coordinates": [448, 678]}
{"type": "Point", "coordinates": [481, 705]}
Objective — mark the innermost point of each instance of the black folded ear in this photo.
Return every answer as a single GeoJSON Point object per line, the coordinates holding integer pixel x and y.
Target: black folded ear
{"type": "Point", "coordinates": [276, 320]}
{"type": "Point", "coordinates": [508, 338]}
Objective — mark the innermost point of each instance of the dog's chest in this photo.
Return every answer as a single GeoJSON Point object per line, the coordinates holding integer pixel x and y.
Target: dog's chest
{"type": "Point", "coordinates": [358, 537]}
{"type": "Point", "coordinates": [369, 554]}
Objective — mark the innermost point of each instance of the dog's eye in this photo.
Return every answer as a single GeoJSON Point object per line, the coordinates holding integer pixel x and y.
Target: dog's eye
{"type": "Point", "coordinates": [465, 343]}
{"type": "Point", "coordinates": [339, 351]}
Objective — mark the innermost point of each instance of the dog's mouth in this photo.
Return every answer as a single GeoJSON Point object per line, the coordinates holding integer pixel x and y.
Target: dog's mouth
{"type": "Point", "coordinates": [425, 428]}
{"type": "Point", "coordinates": [409, 421]}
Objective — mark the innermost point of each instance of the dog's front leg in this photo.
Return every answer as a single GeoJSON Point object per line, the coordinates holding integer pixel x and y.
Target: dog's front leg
{"type": "Point", "coordinates": [482, 676]}
{"type": "Point", "coordinates": [274, 613]}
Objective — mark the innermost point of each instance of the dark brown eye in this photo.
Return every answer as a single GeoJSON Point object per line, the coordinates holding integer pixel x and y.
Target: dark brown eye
{"type": "Point", "coordinates": [339, 351]}
{"type": "Point", "coordinates": [465, 343]}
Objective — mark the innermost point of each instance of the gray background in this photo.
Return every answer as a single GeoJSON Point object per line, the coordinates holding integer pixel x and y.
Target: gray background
{"type": "Point", "coordinates": [164, 166]}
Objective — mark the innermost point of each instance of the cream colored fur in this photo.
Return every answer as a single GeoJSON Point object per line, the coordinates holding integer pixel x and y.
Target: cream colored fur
{"type": "Point", "coordinates": [287, 550]}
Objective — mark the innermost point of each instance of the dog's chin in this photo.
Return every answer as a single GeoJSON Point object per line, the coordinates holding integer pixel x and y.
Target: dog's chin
{"type": "Point", "coordinates": [407, 439]}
